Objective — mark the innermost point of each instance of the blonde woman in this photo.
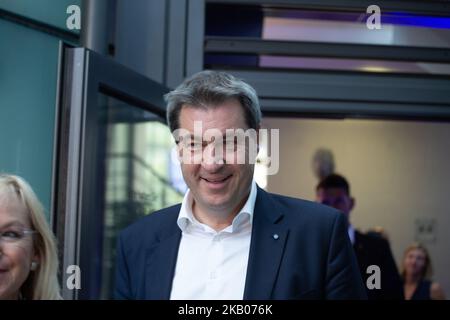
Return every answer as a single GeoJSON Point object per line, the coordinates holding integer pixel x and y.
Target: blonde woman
{"type": "Point", "coordinates": [416, 273]}
{"type": "Point", "coordinates": [28, 260]}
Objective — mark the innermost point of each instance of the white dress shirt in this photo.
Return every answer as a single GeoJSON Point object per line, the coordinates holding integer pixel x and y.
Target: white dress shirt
{"type": "Point", "coordinates": [212, 265]}
{"type": "Point", "coordinates": [351, 233]}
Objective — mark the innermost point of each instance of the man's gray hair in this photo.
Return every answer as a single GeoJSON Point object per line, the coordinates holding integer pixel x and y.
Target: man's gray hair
{"type": "Point", "coordinates": [208, 89]}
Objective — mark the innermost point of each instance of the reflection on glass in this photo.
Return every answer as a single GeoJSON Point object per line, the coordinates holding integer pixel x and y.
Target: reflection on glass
{"type": "Point", "coordinates": [139, 174]}
{"type": "Point", "coordinates": [337, 26]}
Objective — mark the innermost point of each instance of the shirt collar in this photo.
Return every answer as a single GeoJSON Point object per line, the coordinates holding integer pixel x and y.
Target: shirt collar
{"type": "Point", "coordinates": [186, 217]}
{"type": "Point", "coordinates": [351, 233]}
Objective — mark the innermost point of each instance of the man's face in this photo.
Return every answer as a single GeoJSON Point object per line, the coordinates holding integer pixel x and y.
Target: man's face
{"type": "Point", "coordinates": [336, 198]}
{"type": "Point", "coordinates": [216, 185]}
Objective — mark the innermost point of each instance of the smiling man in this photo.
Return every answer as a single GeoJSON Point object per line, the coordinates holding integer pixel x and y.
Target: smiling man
{"type": "Point", "coordinates": [229, 239]}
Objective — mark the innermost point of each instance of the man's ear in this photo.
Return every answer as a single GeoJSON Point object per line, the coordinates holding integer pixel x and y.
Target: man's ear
{"type": "Point", "coordinates": [317, 195]}
{"type": "Point", "coordinates": [257, 138]}
{"type": "Point", "coordinates": [352, 203]}
{"type": "Point", "coordinates": [257, 141]}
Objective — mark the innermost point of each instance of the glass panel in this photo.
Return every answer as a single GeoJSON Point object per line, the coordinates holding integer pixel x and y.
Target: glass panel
{"type": "Point", "coordinates": [342, 27]}
{"type": "Point", "coordinates": [345, 27]}
{"type": "Point", "coordinates": [335, 26]}
{"type": "Point", "coordinates": [268, 62]}
{"type": "Point", "coordinates": [28, 73]}
{"type": "Point", "coordinates": [362, 65]}
{"type": "Point", "coordinates": [48, 11]}
{"type": "Point", "coordinates": [141, 175]}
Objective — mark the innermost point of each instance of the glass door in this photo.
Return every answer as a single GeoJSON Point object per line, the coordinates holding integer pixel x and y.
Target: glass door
{"type": "Point", "coordinates": [115, 165]}
{"type": "Point", "coordinates": [138, 174]}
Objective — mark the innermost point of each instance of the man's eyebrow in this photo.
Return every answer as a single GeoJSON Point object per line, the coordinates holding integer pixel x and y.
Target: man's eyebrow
{"type": "Point", "coordinates": [230, 138]}
{"type": "Point", "coordinates": [190, 138]}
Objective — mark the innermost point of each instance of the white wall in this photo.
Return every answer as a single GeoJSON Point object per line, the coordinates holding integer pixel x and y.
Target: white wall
{"type": "Point", "coordinates": [399, 171]}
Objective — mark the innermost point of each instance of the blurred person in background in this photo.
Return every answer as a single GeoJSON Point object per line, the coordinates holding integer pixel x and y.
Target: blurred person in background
{"type": "Point", "coordinates": [416, 274]}
{"type": "Point", "coordinates": [323, 163]}
{"type": "Point", "coordinates": [28, 259]}
{"type": "Point", "coordinates": [334, 191]}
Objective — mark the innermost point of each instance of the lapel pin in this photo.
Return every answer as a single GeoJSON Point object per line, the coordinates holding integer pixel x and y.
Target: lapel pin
{"type": "Point", "coordinates": [276, 236]}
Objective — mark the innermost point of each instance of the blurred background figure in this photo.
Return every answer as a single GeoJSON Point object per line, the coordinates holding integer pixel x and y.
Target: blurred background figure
{"type": "Point", "coordinates": [334, 191]}
{"type": "Point", "coordinates": [416, 274]}
{"type": "Point", "coordinates": [28, 260]}
{"type": "Point", "coordinates": [378, 231]}
{"type": "Point", "coordinates": [323, 163]}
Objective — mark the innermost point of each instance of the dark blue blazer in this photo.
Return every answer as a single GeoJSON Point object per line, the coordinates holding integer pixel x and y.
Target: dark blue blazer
{"type": "Point", "coordinates": [312, 257]}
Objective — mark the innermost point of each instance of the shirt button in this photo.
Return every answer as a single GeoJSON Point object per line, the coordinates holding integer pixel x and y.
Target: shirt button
{"type": "Point", "coordinates": [213, 275]}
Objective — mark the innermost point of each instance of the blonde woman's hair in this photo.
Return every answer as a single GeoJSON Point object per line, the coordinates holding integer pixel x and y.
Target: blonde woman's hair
{"type": "Point", "coordinates": [427, 271]}
{"type": "Point", "coordinates": [42, 283]}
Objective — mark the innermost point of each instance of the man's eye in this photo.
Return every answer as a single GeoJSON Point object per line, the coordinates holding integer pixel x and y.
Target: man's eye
{"type": "Point", "coordinates": [231, 145]}
{"type": "Point", "coordinates": [195, 145]}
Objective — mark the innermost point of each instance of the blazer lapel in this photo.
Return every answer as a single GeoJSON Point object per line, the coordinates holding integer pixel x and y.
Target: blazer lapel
{"type": "Point", "coordinates": [266, 248]}
{"type": "Point", "coordinates": [161, 259]}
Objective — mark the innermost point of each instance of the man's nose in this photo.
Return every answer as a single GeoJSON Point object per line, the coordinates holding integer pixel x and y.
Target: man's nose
{"type": "Point", "coordinates": [213, 158]}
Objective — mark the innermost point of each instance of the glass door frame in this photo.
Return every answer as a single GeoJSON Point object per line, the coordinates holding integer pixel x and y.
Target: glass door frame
{"type": "Point", "coordinates": [77, 214]}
